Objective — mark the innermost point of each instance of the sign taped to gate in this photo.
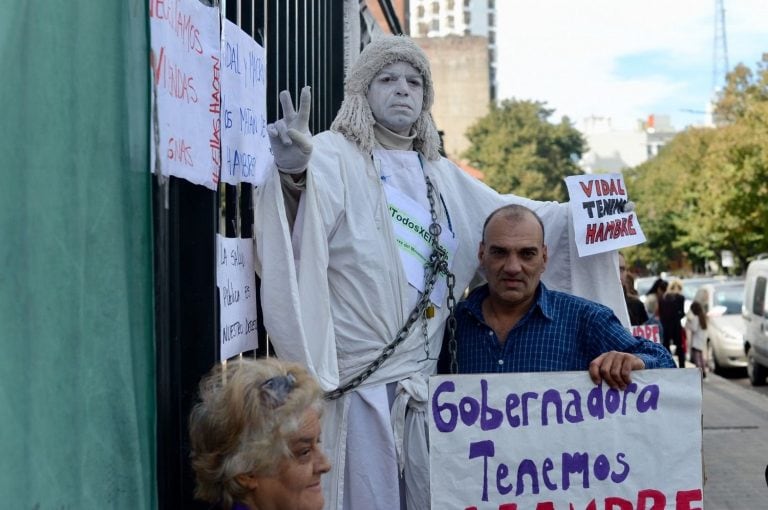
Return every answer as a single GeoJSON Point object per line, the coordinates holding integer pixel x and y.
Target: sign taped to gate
{"type": "Point", "coordinates": [186, 99]}
{"type": "Point", "coordinates": [238, 320]}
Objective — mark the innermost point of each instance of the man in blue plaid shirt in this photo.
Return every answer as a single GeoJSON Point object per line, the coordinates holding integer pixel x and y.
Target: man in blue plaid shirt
{"type": "Point", "coordinates": [515, 324]}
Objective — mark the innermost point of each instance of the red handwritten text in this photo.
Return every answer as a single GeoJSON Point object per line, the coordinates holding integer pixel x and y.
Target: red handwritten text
{"type": "Point", "coordinates": [603, 187]}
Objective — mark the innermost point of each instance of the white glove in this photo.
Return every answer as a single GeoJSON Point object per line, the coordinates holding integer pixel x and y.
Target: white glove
{"type": "Point", "coordinates": [629, 206]}
{"type": "Point", "coordinates": [289, 136]}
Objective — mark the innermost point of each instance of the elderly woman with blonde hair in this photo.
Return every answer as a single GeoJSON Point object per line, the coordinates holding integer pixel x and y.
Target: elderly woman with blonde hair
{"type": "Point", "coordinates": [255, 437]}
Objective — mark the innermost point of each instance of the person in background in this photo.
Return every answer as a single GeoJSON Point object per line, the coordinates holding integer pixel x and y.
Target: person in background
{"type": "Point", "coordinates": [696, 325]}
{"type": "Point", "coordinates": [652, 308]}
{"type": "Point", "coordinates": [671, 311]}
{"type": "Point", "coordinates": [255, 437]}
{"type": "Point", "coordinates": [658, 289]}
{"type": "Point", "coordinates": [635, 307]}
{"type": "Point", "coordinates": [515, 323]}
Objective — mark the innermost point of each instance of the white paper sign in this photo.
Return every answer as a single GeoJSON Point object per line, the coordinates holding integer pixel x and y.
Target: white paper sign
{"type": "Point", "coordinates": [237, 299]}
{"type": "Point", "coordinates": [411, 226]}
{"type": "Point", "coordinates": [558, 441]}
{"type": "Point", "coordinates": [245, 145]}
{"type": "Point", "coordinates": [599, 223]}
{"type": "Point", "coordinates": [185, 76]}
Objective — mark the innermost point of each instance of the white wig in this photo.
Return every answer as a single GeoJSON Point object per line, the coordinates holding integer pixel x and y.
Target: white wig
{"type": "Point", "coordinates": [355, 120]}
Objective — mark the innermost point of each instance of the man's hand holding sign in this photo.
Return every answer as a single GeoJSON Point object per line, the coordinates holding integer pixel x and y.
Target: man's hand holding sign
{"type": "Point", "coordinates": [614, 368]}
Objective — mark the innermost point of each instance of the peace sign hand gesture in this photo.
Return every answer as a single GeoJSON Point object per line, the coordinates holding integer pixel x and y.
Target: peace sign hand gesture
{"type": "Point", "coordinates": [289, 136]}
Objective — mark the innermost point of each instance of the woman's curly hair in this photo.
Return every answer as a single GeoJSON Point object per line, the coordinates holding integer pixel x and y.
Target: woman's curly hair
{"type": "Point", "coordinates": [246, 410]}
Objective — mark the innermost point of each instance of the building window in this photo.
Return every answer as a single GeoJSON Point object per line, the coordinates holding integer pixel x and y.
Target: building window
{"type": "Point", "coordinates": [435, 7]}
{"type": "Point", "coordinates": [435, 25]}
{"type": "Point", "coordinates": [422, 29]}
{"type": "Point", "coordinates": [420, 11]}
{"type": "Point", "coordinates": [449, 22]}
{"type": "Point", "coordinates": [450, 4]}
{"type": "Point", "coordinates": [491, 4]}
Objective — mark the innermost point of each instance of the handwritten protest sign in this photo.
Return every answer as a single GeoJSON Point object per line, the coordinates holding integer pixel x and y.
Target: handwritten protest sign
{"type": "Point", "coordinates": [186, 100]}
{"type": "Point", "coordinates": [648, 331]}
{"type": "Point", "coordinates": [599, 220]}
{"type": "Point", "coordinates": [245, 146]}
{"type": "Point", "coordinates": [557, 441]}
{"type": "Point", "coordinates": [237, 298]}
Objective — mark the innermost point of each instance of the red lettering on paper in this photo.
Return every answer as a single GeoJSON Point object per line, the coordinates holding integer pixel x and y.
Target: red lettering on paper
{"type": "Point", "coordinates": [180, 23]}
{"type": "Point", "coordinates": [178, 150]}
{"type": "Point", "coordinates": [684, 499]}
{"type": "Point", "coordinates": [214, 107]}
{"type": "Point", "coordinates": [657, 499]}
{"type": "Point", "coordinates": [603, 187]}
{"type": "Point", "coordinates": [614, 229]}
{"type": "Point", "coordinates": [616, 503]}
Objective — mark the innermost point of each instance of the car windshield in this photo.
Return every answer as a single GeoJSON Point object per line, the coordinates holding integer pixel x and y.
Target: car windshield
{"type": "Point", "coordinates": [729, 296]}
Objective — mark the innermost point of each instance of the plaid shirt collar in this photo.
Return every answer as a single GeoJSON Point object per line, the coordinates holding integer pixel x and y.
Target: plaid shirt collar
{"type": "Point", "coordinates": [542, 303]}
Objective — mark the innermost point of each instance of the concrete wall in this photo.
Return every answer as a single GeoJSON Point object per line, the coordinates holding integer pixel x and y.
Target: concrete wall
{"type": "Point", "coordinates": [460, 72]}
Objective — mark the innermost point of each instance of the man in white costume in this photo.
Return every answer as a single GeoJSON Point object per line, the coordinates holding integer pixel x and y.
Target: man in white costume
{"type": "Point", "coordinates": [342, 235]}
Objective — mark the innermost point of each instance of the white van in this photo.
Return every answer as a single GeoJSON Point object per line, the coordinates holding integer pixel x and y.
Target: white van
{"type": "Point", "coordinates": [755, 313]}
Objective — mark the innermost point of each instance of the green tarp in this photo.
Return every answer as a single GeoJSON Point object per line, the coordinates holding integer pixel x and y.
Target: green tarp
{"type": "Point", "coordinates": [77, 400]}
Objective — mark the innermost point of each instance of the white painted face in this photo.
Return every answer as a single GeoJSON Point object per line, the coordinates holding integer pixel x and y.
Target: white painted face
{"type": "Point", "coordinates": [396, 96]}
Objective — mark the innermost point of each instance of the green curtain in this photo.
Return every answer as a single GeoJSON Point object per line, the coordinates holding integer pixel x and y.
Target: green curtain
{"type": "Point", "coordinates": [77, 392]}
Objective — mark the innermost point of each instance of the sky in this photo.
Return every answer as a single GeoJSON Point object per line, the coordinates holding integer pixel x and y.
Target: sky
{"type": "Point", "coordinates": [623, 59]}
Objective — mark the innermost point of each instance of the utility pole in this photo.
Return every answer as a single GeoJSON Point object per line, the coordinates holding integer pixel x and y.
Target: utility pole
{"type": "Point", "coordinates": [720, 48]}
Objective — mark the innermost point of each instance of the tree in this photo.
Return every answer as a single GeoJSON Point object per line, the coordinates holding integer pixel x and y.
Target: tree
{"type": "Point", "coordinates": [521, 152]}
{"type": "Point", "coordinates": [707, 190]}
{"type": "Point", "coordinates": [743, 91]}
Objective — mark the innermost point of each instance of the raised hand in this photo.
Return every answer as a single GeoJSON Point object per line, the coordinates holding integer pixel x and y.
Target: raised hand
{"type": "Point", "coordinates": [289, 136]}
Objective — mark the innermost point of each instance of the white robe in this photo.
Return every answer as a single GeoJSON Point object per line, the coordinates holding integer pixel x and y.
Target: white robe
{"type": "Point", "coordinates": [338, 297]}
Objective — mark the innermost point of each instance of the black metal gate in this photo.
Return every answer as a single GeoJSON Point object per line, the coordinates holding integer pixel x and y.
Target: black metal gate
{"type": "Point", "coordinates": [303, 40]}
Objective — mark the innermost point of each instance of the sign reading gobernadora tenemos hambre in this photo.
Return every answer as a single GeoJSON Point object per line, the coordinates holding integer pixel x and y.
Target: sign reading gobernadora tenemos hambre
{"type": "Point", "coordinates": [552, 441]}
{"type": "Point", "coordinates": [597, 208]}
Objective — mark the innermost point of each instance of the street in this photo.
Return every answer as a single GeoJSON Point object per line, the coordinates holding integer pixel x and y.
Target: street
{"type": "Point", "coordinates": [735, 440]}
{"type": "Point", "coordinates": [743, 381]}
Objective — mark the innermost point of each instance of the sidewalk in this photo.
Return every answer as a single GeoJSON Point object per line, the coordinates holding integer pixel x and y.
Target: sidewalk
{"type": "Point", "coordinates": [735, 441]}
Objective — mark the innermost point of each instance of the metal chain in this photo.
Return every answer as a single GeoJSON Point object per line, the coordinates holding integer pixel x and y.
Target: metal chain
{"type": "Point", "coordinates": [450, 278]}
{"type": "Point", "coordinates": [451, 324]}
{"type": "Point", "coordinates": [438, 262]}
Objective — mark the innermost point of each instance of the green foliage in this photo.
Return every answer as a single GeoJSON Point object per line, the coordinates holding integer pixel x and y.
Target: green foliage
{"type": "Point", "coordinates": [707, 190]}
{"type": "Point", "coordinates": [521, 152]}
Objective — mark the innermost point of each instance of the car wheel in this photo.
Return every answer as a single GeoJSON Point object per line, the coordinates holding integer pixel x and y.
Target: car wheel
{"type": "Point", "coordinates": [755, 371]}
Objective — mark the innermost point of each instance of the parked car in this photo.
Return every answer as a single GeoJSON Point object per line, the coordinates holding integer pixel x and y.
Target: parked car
{"type": "Point", "coordinates": [755, 318]}
{"type": "Point", "coordinates": [692, 285]}
{"type": "Point", "coordinates": [725, 326]}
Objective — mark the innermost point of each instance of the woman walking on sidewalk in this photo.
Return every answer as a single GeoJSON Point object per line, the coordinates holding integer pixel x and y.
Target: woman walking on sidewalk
{"type": "Point", "coordinates": [696, 325]}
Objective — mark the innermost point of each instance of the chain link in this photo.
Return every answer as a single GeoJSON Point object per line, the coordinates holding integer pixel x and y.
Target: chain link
{"type": "Point", "coordinates": [438, 263]}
